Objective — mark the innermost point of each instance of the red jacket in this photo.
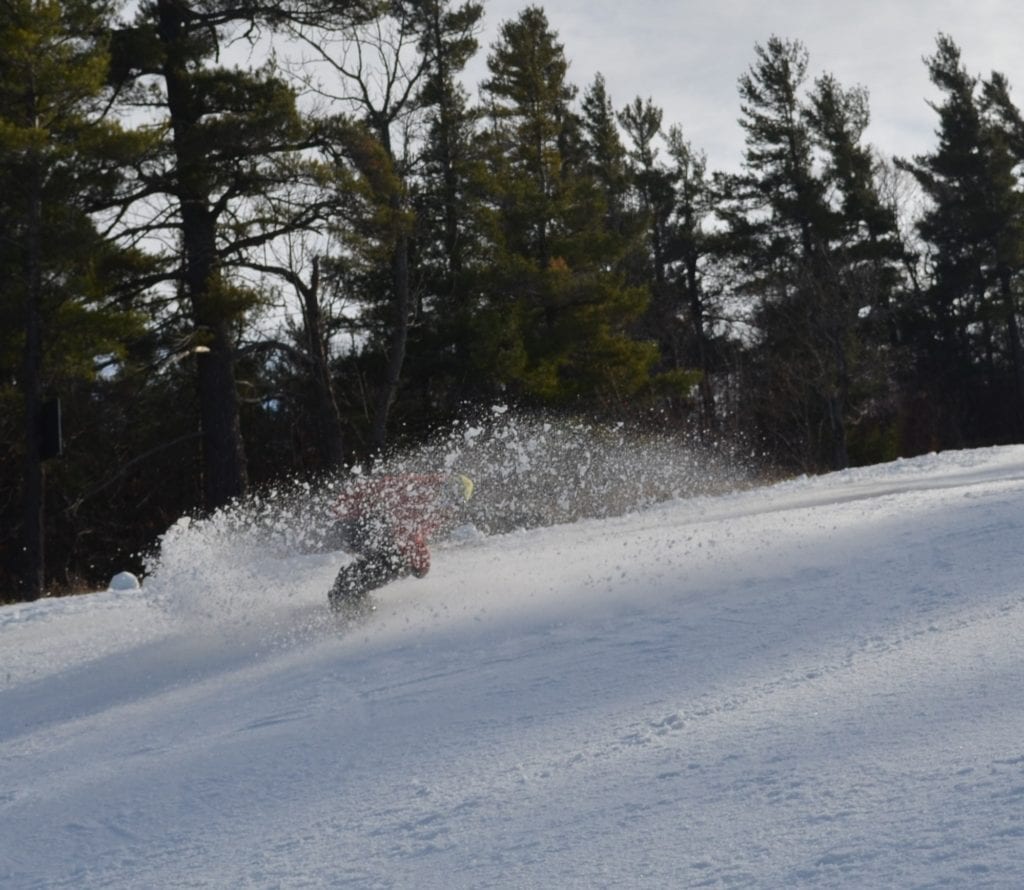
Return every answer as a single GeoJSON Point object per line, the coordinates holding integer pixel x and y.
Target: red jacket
{"type": "Point", "coordinates": [414, 507]}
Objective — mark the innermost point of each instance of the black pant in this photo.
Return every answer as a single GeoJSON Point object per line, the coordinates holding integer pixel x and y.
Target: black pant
{"type": "Point", "coordinates": [378, 561]}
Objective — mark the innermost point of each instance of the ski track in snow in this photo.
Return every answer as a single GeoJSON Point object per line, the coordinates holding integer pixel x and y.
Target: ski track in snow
{"type": "Point", "coordinates": [816, 684]}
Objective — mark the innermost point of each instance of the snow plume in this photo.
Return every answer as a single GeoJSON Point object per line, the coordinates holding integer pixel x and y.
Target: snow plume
{"type": "Point", "coordinates": [534, 471]}
{"type": "Point", "coordinates": [236, 568]}
{"type": "Point", "coordinates": [233, 570]}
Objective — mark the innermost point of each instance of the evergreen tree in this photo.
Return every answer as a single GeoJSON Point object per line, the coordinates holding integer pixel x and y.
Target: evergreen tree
{"type": "Point", "coordinates": [534, 131]}
{"type": "Point", "coordinates": [774, 210]}
{"type": "Point", "coordinates": [447, 42]}
{"type": "Point", "coordinates": [63, 280]}
{"type": "Point", "coordinates": [690, 245]}
{"type": "Point", "coordinates": [799, 221]}
{"type": "Point", "coordinates": [231, 141]}
{"type": "Point", "coordinates": [654, 198]}
{"type": "Point", "coordinates": [864, 256]}
{"type": "Point", "coordinates": [604, 155]}
{"type": "Point", "coordinates": [555, 310]}
{"type": "Point", "coordinates": [968, 331]}
{"type": "Point", "coordinates": [950, 177]}
{"type": "Point", "coordinates": [446, 235]}
{"type": "Point", "coordinates": [1005, 143]}
{"type": "Point", "coordinates": [654, 190]}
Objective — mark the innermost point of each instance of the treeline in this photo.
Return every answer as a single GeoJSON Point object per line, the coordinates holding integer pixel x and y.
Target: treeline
{"type": "Point", "coordinates": [245, 241]}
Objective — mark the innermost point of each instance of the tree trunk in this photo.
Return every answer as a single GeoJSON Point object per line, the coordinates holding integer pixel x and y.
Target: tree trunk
{"type": "Point", "coordinates": [398, 338]}
{"type": "Point", "coordinates": [1013, 336]}
{"type": "Point", "coordinates": [837, 406]}
{"type": "Point", "coordinates": [330, 437]}
{"type": "Point", "coordinates": [34, 571]}
{"type": "Point", "coordinates": [224, 464]}
{"type": "Point", "coordinates": [707, 396]}
{"type": "Point", "coordinates": [449, 174]}
{"type": "Point", "coordinates": [397, 342]}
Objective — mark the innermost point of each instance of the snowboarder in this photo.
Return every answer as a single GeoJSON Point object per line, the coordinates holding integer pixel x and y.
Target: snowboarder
{"type": "Point", "coordinates": [388, 522]}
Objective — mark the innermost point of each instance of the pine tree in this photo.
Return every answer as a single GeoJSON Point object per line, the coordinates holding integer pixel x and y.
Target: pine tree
{"type": "Point", "coordinates": [446, 240]}
{"type": "Point", "coordinates": [555, 308]}
{"type": "Point", "coordinates": [447, 43]}
{"type": "Point", "coordinates": [654, 198]}
{"type": "Point", "coordinates": [59, 161]}
{"type": "Point", "coordinates": [231, 138]}
{"type": "Point", "coordinates": [974, 223]}
{"type": "Point", "coordinates": [534, 129]}
{"type": "Point", "coordinates": [653, 186]}
{"type": "Point", "coordinates": [690, 245]}
{"type": "Point", "coordinates": [604, 155]}
{"type": "Point", "coordinates": [864, 253]}
{"type": "Point", "coordinates": [774, 212]}
{"type": "Point", "coordinates": [800, 217]}
{"type": "Point", "coordinates": [1005, 142]}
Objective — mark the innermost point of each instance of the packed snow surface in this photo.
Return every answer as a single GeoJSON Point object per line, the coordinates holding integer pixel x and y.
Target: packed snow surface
{"type": "Point", "coordinates": [818, 683]}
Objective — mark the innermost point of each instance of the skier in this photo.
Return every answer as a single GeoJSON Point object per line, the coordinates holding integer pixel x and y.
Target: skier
{"type": "Point", "coordinates": [388, 522]}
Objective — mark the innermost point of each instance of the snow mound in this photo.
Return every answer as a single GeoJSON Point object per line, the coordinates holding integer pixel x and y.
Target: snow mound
{"type": "Point", "coordinates": [124, 581]}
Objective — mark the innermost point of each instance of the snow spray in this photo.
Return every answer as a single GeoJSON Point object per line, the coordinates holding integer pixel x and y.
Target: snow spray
{"type": "Point", "coordinates": [276, 551]}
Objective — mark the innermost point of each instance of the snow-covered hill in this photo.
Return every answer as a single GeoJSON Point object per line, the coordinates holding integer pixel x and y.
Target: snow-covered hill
{"type": "Point", "coordinates": [819, 683]}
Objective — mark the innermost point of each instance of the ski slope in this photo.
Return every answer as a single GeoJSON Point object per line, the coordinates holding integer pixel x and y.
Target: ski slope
{"type": "Point", "coordinates": [818, 684]}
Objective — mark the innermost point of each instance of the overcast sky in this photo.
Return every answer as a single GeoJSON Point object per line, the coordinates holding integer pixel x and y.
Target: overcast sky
{"type": "Point", "coordinates": [687, 56]}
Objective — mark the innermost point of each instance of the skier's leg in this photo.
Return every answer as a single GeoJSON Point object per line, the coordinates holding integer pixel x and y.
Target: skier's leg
{"type": "Point", "coordinates": [380, 562]}
{"type": "Point", "coordinates": [351, 585]}
{"type": "Point", "coordinates": [355, 580]}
